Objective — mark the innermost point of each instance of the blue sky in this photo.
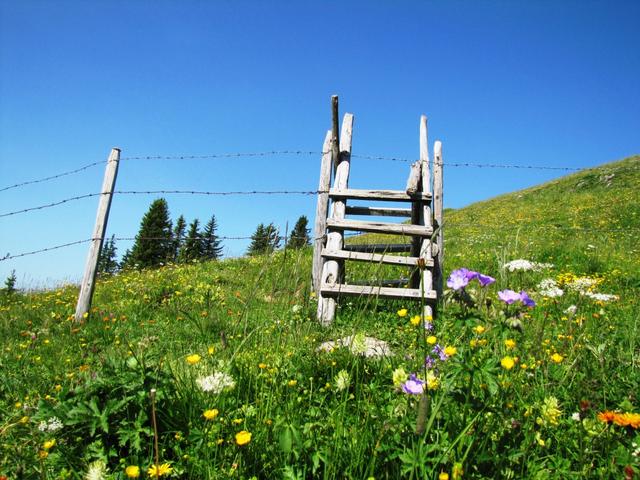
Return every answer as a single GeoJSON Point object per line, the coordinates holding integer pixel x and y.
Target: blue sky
{"type": "Point", "coordinates": [533, 83]}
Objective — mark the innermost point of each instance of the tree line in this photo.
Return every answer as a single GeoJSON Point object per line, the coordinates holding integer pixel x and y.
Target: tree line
{"type": "Point", "coordinates": [159, 242]}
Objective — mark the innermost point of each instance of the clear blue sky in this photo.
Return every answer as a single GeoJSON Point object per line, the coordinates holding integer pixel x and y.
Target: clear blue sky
{"type": "Point", "coordinates": [534, 83]}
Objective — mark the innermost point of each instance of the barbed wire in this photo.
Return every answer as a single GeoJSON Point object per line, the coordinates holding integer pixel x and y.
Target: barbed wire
{"type": "Point", "coordinates": [225, 155]}
{"type": "Point", "coordinates": [24, 254]}
{"type": "Point", "coordinates": [49, 205]}
{"type": "Point", "coordinates": [53, 177]}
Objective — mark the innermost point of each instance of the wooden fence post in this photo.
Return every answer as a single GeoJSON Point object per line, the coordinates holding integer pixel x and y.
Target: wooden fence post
{"type": "Point", "coordinates": [425, 214]}
{"type": "Point", "coordinates": [437, 214]}
{"type": "Point", "coordinates": [89, 278]}
{"type": "Point", "coordinates": [335, 139]}
{"type": "Point", "coordinates": [322, 208]}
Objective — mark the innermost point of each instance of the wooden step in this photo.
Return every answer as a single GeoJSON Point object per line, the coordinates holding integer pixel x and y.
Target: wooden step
{"type": "Point", "coordinates": [384, 292]}
{"type": "Point", "coordinates": [380, 195]}
{"type": "Point", "coordinates": [381, 227]}
{"type": "Point", "coordinates": [396, 282]}
{"type": "Point", "coordinates": [379, 248]}
{"type": "Point", "coordinates": [379, 212]}
{"type": "Point", "coordinates": [374, 257]}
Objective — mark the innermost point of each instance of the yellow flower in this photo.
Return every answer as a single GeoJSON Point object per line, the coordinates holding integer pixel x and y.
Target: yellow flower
{"type": "Point", "coordinates": [431, 340]}
{"type": "Point", "coordinates": [443, 476]}
{"type": "Point", "coordinates": [557, 358]}
{"type": "Point", "coordinates": [43, 454]}
{"type": "Point", "coordinates": [399, 377]}
{"type": "Point", "coordinates": [457, 471]}
{"type": "Point", "coordinates": [24, 420]}
{"type": "Point", "coordinates": [211, 350]}
{"type": "Point", "coordinates": [210, 414]}
{"type": "Point", "coordinates": [49, 444]}
{"type": "Point", "coordinates": [159, 470]}
{"type": "Point", "coordinates": [432, 381]}
{"type": "Point", "coordinates": [132, 471]}
{"type": "Point", "coordinates": [402, 312]}
{"type": "Point", "coordinates": [415, 320]}
{"type": "Point", "coordinates": [193, 359]}
{"type": "Point", "coordinates": [243, 437]}
{"type": "Point", "coordinates": [507, 363]}
{"type": "Point", "coordinates": [292, 383]}
{"type": "Point", "coordinates": [479, 329]}
{"type": "Point", "coordinates": [262, 366]}
{"type": "Point", "coordinates": [450, 351]}
{"type": "Point", "coordinates": [509, 343]}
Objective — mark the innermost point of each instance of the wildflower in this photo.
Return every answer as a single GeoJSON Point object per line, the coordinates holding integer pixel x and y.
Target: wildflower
{"type": "Point", "coordinates": [575, 416]}
{"type": "Point", "coordinates": [443, 476]}
{"type": "Point", "coordinates": [210, 414]}
{"type": "Point", "coordinates": [216, 383]}
{"type": "Point", "coordinates": [459, 278]}
{"type": "Point", "coordinates": [211, 350]}
{"type": "Point", "coordinates": [51, 425]}
{"type": "Point", "coordinates": [399, 376]}
{"type": "Point", "coordinates": [508, 296]}
{"type": "Point", "coordinates": [450, 351]}
{"type": "Point", "coordinates": [433, 381]}
{"type": "Point", "coordinates": [457, 471]}
{"type": "Point", "coordinates": [549, 412]}
{"type": "Point", "coordinates": [193, 359]}
{"type": "Point", "coordinates": [539, 439]}
{"type": "Point", "coordinates": [549, 288]}
{"type": "Point", "coordinates": [600, 297]}
{"type": "Point", "coordinates": [97, 471]}
{"type": "Point", "coordinates": [132, 471]}
{"type": "Point", "coordinates": [510, 343]}
{"type": "Point", "coordinates": [159, 470]}
{"type": "Point", "coordinates": [507, 363]}
{"type": "Point", "coordinates": [526, 300]}
{"type": "Point", "coordinates": [431, 340]}
{"type": "Point", "coordinates": [292, 383]}
{"type": "Point", "coordinates": [627, 420]}
{"type": "Point", "coordinates": [526, 265]}
{"type": "Point", "coordinates": [413, 386]}
{"type": "Point", "coordinates": [243, 437]}
{"type": "Point", "coordinates": [43, 454]}
{"type": "Point", "coordinates": [479, 329]}
{"type": "Point", "coordinates": [342, 380]}
{"type": "Point", "coordinates": [571, 310]}
{"type": "Point", "coordinates": [402, 312]}
{"type": "Point", "coordinates": [557, 358]}
{"type": "Point", "coordinates": [607, 416]}
{"type": "Point", "coordinates": [415, 320]}
{"type": "Point", "coordinates": [49, 444]}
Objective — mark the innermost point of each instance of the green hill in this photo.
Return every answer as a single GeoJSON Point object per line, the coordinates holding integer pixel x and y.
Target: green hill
{"type": "Point", "coordinates": [231, 349]}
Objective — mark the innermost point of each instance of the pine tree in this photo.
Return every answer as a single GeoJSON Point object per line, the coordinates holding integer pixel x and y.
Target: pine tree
{"type": "Point", "coordinates": [273, 238]}
{"type": "Point", "coordinates": [193, 244]}
{"type": "Point", "coordinates": [153, 245]}
{"type": "Point", "coordinates": [211, 244]}
{"type": "Point", "coordinates": [264, 240]}
{"type": "Point", "coordinates": [10, 283]}
{"type": "Point", "coordinates": [178, 236]}
{"type": "Point", "coordinates": [107, 263]}
{"type": "Point", "coordinates": [300, 234]}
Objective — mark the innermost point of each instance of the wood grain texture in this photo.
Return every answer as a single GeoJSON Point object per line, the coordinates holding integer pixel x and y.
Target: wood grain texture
{"type": "Point", "coordinates": [384, 292]}
{"type": "Point", "coordinates": [372, 257]}
{"type": "Point", "coordinates": [379, 227]}
{"type": "Point", "coordinates": [322, 208]}
{"type": "Point", "coordinates": [378, 195]}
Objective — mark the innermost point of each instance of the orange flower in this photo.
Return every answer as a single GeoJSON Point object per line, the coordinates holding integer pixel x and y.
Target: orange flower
{"type": "Point", "coordinates": [607, 416]}
{"type": "Point", "coordinates": [627, 420]}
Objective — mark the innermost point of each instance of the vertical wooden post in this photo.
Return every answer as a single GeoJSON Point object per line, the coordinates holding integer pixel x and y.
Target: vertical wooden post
{"type": "Point", "coordinates": [322, 209]}
{"type": "Point", "coordinates": [438, 212]}
{"type": "Point", "coordinates": [89, 278]}
{"type": "Point", "coordinates": [335, 139]}
{"type": "Point", "coordinates": [330, 270]}
{"type": "Point", "coordinates": [425, 214]}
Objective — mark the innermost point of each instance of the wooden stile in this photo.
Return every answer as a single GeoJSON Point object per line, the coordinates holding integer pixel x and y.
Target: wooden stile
{"type": "Point", "coordinates": [322, 208]}
{"type": "Point", "coordinates": [88, 280]}
{"type": "Point", "coordinates": [330, 271]}
{"type": "Point", "coordinates": [438, 213]}
{"type": "Point", "coordinates": [425, 214]}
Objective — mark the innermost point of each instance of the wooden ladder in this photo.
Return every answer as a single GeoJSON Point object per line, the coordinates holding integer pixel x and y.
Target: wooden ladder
{"type": "Point", "coordinates": [421, 206]}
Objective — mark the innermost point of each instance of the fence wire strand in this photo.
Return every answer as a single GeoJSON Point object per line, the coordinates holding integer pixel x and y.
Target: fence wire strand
{"type": "Point", "coordinates": [52, 177]}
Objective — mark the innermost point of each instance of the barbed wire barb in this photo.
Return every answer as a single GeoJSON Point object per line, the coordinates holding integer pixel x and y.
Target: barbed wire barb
{"type": "Point", "coordinates": [52, 177]}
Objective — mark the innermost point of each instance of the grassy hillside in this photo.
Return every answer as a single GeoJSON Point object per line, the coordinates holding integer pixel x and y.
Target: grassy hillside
{"type": "Point", "coordinates": [242, 390]}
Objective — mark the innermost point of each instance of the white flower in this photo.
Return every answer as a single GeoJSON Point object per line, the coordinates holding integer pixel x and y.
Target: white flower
{"type": "Point", "coordinates": [601, 297]}
{"type": "Point", "coordinates": [571, 310]}
{"type": "Point", "coordinates": [521, 264]}
{"type": "Point", "coordinates": [97, 471]}
{"type": "Point", "coordinates": [342, 380]}
{"type": "Point", "coordinates": [296, 308]}
{"type": "Point", "coordinates": [549, 288]}
{"type": "Point", "coordinates": [582, 284]}
{"type": "Point", "coordinates": [216, 383]}
{"type": "Point", "coordinates": [52, 425]}
{"type": "Point", "coordinates": [576, 416]}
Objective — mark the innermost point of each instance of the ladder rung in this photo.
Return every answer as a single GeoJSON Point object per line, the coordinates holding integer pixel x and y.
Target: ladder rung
{"type": "Point", "coordinates": [374, 257]}
{"type": "Point", "coordinates": [382, 195]}
{"type": "Point", "coordinates": [396, 282]}
{"type": "Point", "coordinates": [381, 227]}
{"type": "Point", "coordinates": [385, 292]}
{"type": "Point", "coordinates": [379, 248]}
{"type": "Point", "coordinates": [379, 211]}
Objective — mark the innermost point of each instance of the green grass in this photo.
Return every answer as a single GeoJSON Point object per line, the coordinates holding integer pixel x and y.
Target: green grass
{"type": "Point", "coordinates": [336, 414]}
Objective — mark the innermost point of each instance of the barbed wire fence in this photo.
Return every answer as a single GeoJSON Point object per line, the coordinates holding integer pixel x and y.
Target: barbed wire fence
{"type": "Point", "coordinates": [292, 152]}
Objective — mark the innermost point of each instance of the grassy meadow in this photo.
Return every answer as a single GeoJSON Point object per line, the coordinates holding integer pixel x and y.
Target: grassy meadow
{"type": "Point", "coordinates": [487, 389]}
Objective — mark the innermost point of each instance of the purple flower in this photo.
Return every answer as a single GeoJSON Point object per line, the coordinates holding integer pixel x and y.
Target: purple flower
{"type": "Point", "coordinates": [526, 300]}
{"type": "Point", "coordinates": [440, 352]}
{"type": "Point", "coordinates": [509, 296]}
{"type": "Point", "coordinates": [429, 363]}
{"type": "Point", "coordinates": [459, 279]}
{"type": "Point", "coordinates": [428, 326]}
{"type": "Point", "coordinates": [485, 279]}
{"type": "Point", "coordinates": [413, 386]}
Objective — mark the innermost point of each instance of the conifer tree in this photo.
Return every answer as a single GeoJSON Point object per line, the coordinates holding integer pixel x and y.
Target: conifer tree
{"type": "Point", "coordinates": [273, 238]}
{"type": "Point", "coordinates": [178, 236]}
{"type": "Point", "coordinates": [193, 244]}
{"type": "Point", "coordinates": [107, 263]}
{"type": "Point", "coordinates": [300, 234]}
{"type": "Point", "coordinates": [153, 245]}
{"type": "Point", "coordinates": [10, 283]}
{"type": "Point", "coordinates": [264, 240]}
{"type": "Point", "coordinates": [211, 244]}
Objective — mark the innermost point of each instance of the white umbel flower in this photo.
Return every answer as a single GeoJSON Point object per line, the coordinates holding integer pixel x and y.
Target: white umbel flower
{"type": "Point", "coordinates": [216, 383]}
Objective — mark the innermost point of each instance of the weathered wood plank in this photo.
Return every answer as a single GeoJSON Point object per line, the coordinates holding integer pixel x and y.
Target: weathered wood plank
{"type": "Point", "coordinates": [102, 216]}
{"type": "Point", "coordinates": [322, 207]}
{"type": "Point", "coordinates": [414, 179]}
{"type": "Point", "coordinates": [335, 142]}
{"type": "Point", "coordinates": [384, 292]}
{"type": "Point", "coordinates": [378, 195]}
{"type": "Point", "coordinates": [371, 257]}
{"type": "Point", "coordinates": [379, 247]}
{"type": "Point", "coordinates": [426, 276]}
{"type": "Point", "coordinates": [379, 227]}
{"type": "Point", "coordinates": [378, 211]}
{"type": "Point", "coordinates": [438, 212]}
{"type": "Point", "coordinates": [330, 270]}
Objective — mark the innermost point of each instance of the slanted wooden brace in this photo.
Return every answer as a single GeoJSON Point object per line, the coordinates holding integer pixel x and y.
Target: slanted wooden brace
{"type": "Point", "coordinates": [426, 252]}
